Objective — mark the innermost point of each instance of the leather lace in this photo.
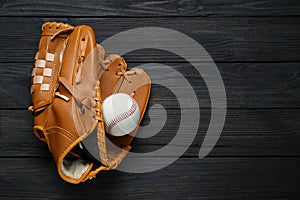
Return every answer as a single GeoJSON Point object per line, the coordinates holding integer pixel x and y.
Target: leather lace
{"type": "Point", "coordinates": [125, 73]}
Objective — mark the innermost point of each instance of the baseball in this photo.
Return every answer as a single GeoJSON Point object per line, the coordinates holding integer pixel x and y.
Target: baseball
{"type": "Point", "coordinates": [121, 114]}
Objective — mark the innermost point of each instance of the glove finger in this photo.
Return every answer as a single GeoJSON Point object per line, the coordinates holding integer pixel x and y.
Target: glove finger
{"type": "Point", "coordinates": [101, 54]}
{"type": "Point", "coordinates": [111, 77]}
{"type": "Point", "coordinates": [138, 86]}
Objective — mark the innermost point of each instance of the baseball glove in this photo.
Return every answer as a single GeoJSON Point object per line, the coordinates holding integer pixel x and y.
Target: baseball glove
{"type": "Point", "coordinates": [70, 78]}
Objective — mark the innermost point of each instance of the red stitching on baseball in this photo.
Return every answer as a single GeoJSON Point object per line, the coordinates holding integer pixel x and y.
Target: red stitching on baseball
{"type": "Point", "coordinates": [122, 116]}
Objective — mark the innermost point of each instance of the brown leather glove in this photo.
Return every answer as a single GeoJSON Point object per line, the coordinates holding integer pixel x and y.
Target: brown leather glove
{"type": "Point", "coordinates": [69, 80]}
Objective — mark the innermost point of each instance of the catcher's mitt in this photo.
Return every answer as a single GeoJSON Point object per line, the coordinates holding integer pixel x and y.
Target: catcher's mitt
{"type": "Point", "coordinates": [69, 78]}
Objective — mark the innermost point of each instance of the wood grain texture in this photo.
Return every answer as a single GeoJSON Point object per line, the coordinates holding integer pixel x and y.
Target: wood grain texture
{"type": "Point", "coordinates": [137, 8]}
{"type": "Point", "coordinates": [225, 39]}
{"type": "Point", "coordinates": [256, 46]}
{"type": "Point", "coordinates": [262, 132]}
{"type": "Point", "coordinates": [226, 178]}
{"type": "Point", "coordinates": [248, 85]}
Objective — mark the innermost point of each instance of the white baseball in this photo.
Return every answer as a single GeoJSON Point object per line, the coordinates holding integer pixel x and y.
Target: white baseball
{"type": "Point", "coordinates": [121, 114]}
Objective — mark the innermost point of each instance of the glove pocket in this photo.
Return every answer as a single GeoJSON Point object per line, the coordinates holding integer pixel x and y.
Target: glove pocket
{"type": "Point", "coordinates": [137, 84]}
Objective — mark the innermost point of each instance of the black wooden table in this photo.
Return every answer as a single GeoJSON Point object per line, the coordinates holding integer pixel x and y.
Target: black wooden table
{"type": "Point", "coordinates": [256, 47]}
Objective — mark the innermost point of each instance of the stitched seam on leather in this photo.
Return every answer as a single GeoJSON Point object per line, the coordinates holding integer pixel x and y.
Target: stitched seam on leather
{"type": "Point", "coordinates": [47, 114]}
{"type": "Point", "coordinates": [57, 61]}
{"type": "Point", "coordinates": [64, 132]}
{"type": "Point", "coordinates": [122, 116]}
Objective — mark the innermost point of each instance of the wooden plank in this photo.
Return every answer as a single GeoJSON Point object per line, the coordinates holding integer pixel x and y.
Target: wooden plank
{"type": "Point", "coordinates": [256, 47]}
{"type": "Point", "coordinates": [138, 8]}
{"type": "Point", "coordinates": [254, 132]}
{"type": "Point", "coordinates": [248, 85]}
{"type": "Point", "coordinates": [209, 178]}
{"type": "Point", "coordinates": [267, 39]}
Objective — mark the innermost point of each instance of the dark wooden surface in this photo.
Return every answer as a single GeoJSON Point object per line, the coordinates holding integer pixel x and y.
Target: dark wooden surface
{"type": "Point", "coordinates": [256, 46]}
